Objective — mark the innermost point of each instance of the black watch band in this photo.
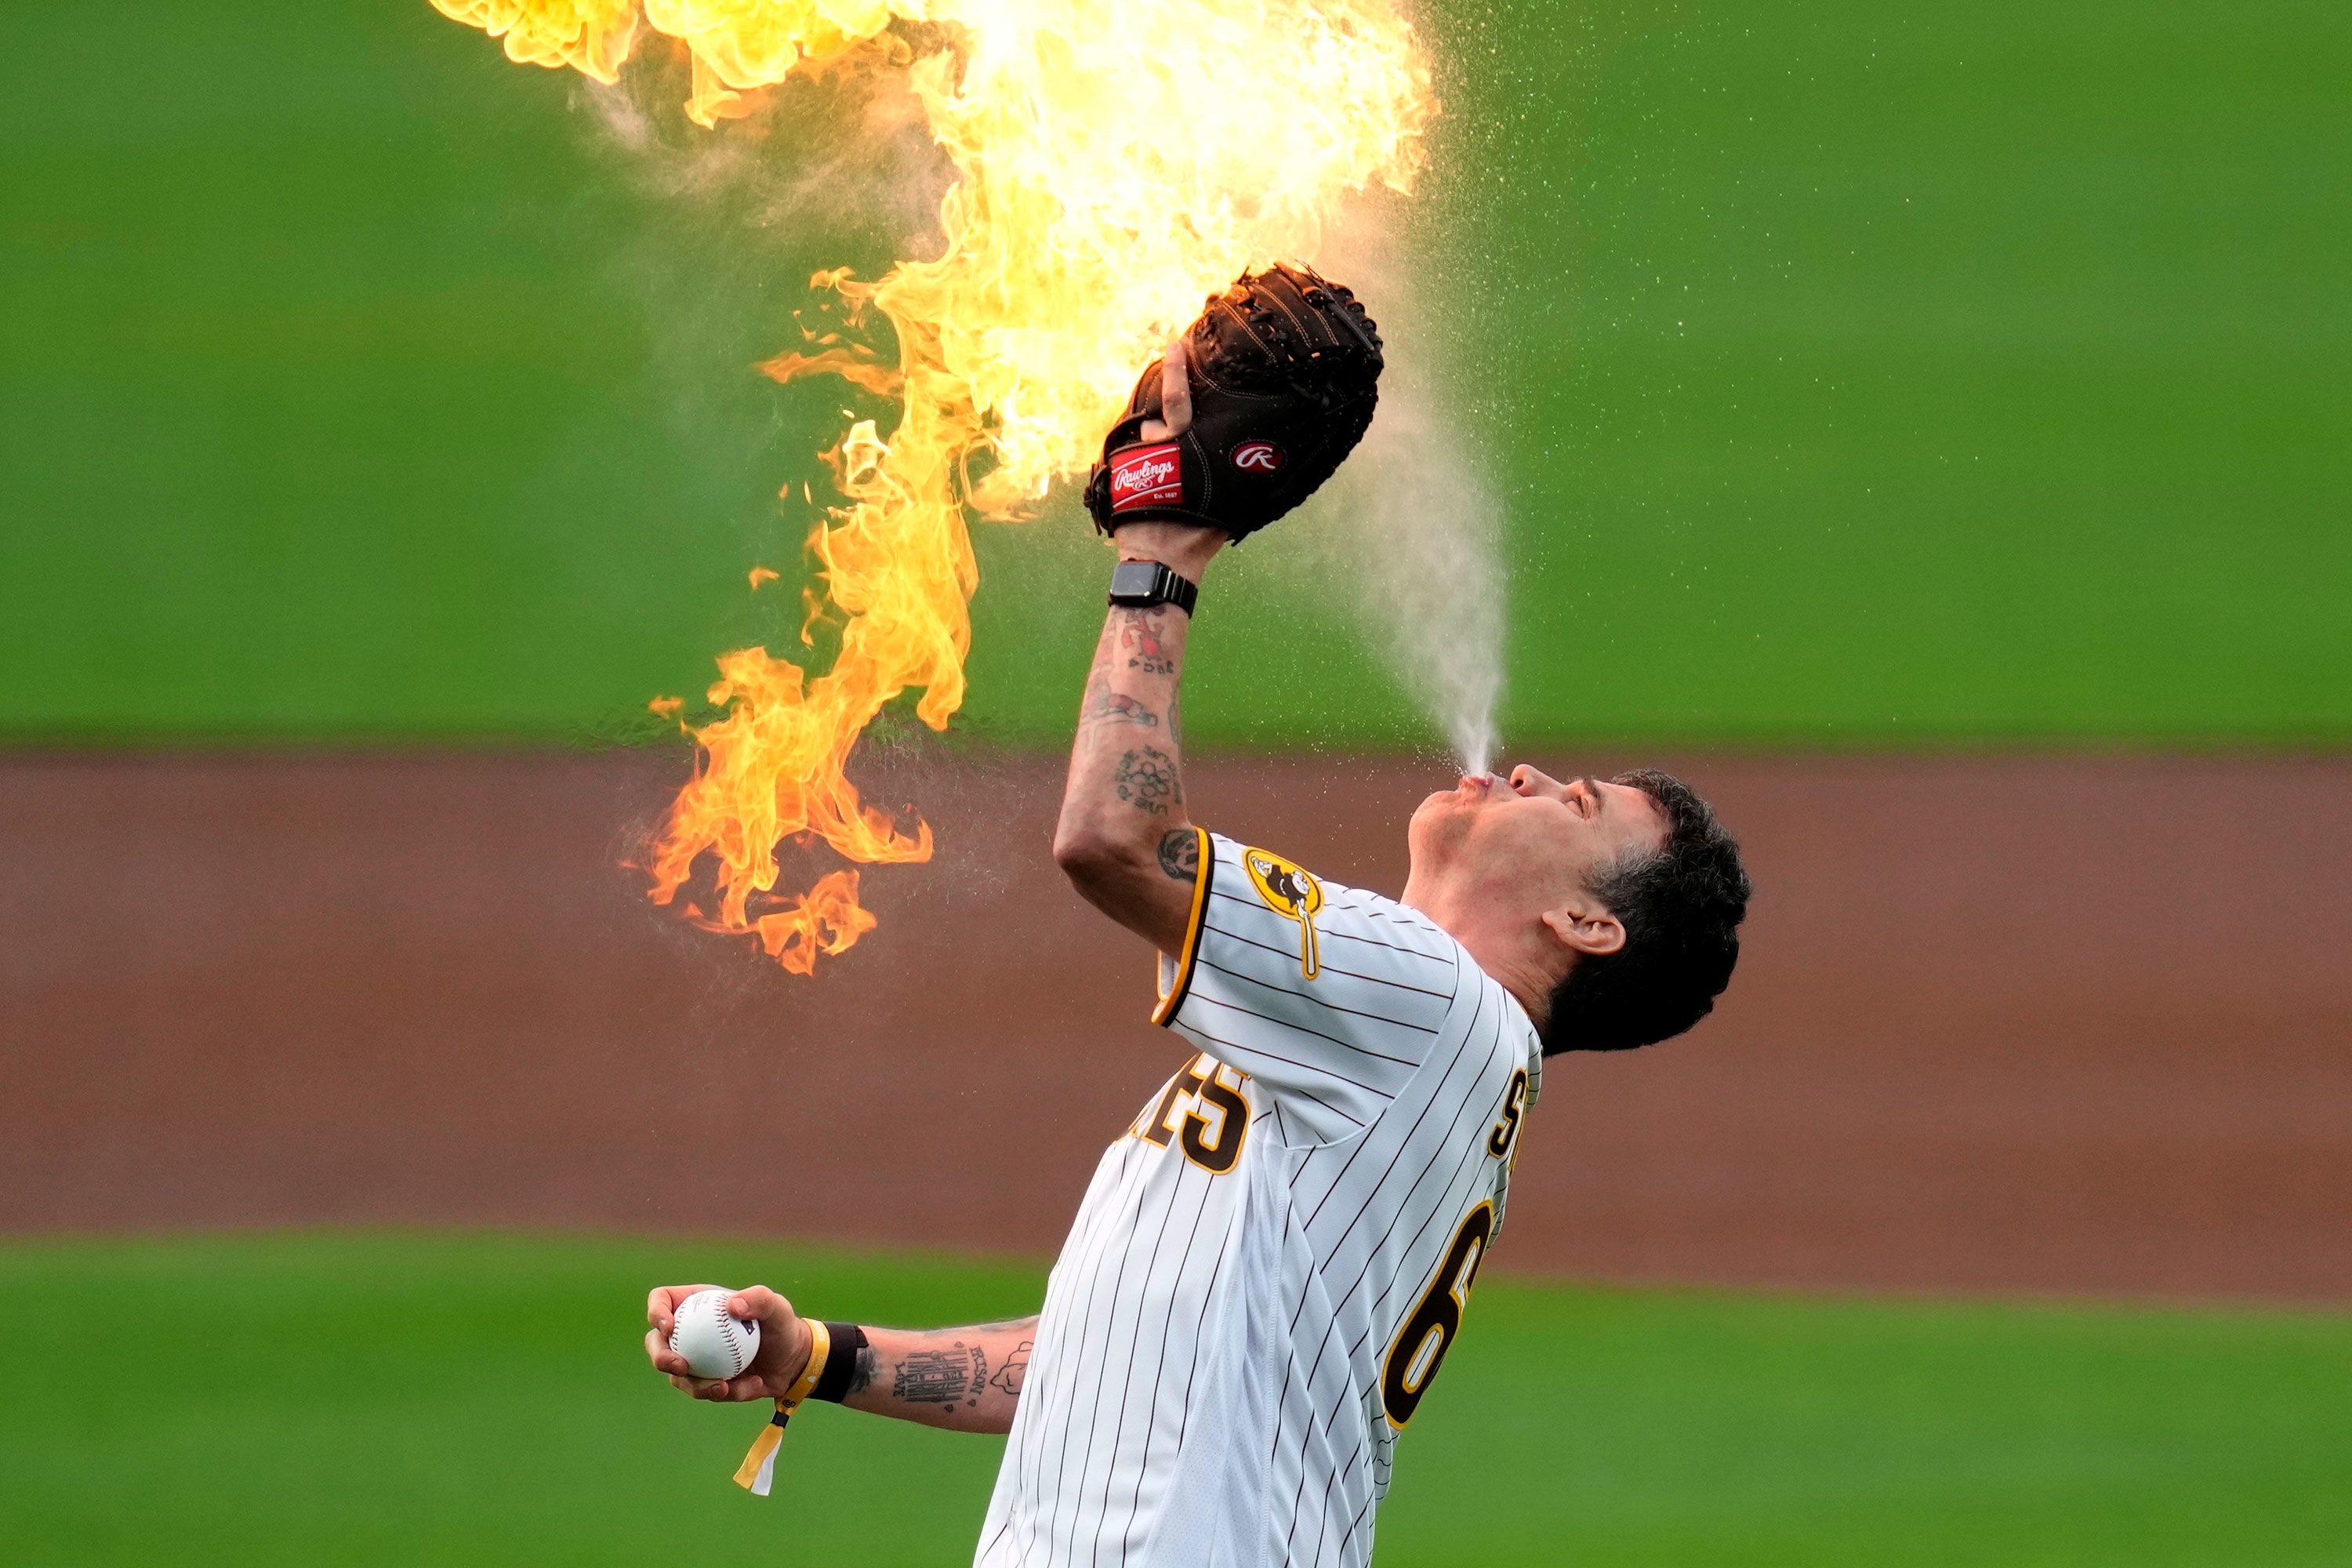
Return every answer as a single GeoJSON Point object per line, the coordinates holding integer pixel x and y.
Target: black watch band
{"type": "Point", "coordinates": [841, 1368]}
{"type": "Point", "coordinates": [1139, 585]}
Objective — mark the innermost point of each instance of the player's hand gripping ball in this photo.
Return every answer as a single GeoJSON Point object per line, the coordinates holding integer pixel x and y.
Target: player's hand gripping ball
{"type": "Point", "coordinates": [714, 1341]}
{"type": "Point", "coordinates": [1285, 371]}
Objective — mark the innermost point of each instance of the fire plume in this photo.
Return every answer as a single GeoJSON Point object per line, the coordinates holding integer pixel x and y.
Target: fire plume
{"type": "Point", "coordinates": [590, 36]}
{"type": "Point", "coordinates": [1114, 162]}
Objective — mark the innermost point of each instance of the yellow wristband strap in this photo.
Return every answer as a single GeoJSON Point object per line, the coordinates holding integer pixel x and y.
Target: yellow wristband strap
{"type": "Point", "coordinates": [820, 1352]}
{"type": "Point", "coordinates": [757, 1470]}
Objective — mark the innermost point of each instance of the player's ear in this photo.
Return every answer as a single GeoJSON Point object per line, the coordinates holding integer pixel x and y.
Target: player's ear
{"type": "Point", "coordinates": [1583, 925]}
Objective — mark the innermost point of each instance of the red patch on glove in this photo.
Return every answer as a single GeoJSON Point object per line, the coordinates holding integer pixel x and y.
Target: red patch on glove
{"type": "Point", "coordinates": [1147, 476]}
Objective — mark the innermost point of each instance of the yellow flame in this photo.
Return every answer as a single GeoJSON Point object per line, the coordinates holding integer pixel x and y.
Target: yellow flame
{"type": "Point", "coordinates": [590, 36]}
{"type": "Point", "coordinates": [1115, 162]}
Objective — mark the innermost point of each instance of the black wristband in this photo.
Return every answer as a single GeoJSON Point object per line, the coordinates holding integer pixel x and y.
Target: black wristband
{"type": "Point", "coordinates": [840, 1362]}
{"type": "Point", "coordinates": [1139, 585]}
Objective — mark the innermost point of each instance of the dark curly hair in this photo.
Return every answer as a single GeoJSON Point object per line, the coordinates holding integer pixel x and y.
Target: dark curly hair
{"type": "Point", "coordinates": [1681, 905]}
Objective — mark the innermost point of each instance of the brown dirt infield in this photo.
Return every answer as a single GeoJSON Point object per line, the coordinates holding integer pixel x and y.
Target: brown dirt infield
{"type": "Point", "coordinates": [2039, 1024]}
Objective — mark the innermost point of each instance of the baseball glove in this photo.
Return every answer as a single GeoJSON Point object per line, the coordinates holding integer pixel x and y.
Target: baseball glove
{"type": "Point", "coordinates": [1285, 370]}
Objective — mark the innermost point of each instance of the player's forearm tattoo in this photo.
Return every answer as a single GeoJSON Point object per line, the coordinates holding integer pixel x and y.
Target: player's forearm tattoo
{"type": "Point", "coordinates": [1146, 779]}
{"type": "Point", "coordinates": [1139, 640]}
{"type": "Point", "coordinates": [1104, 706]}
{"type": "Point", "coordinates": [1180, 855]}
{"type": "Point", "coordinates": [862, 1375]}
{"type": "Point", "coordinates": [1016, 1367]}
{"type": "Point", "coordinates": [940, 1377]}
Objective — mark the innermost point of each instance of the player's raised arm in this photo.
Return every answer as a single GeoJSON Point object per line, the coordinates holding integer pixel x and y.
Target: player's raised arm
{"type": "Point", "coordinates": [1124, 840]}
{"type": "Point", "coordinates": [1240, 421]}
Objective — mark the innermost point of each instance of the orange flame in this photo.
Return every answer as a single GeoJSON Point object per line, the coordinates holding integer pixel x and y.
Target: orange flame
{"type": "Point", "coordinates": [854, 363]}
{"type": "Point", "coordinates": [827, 920]}
{"type": "Point", "coordinates": [1114, 161]}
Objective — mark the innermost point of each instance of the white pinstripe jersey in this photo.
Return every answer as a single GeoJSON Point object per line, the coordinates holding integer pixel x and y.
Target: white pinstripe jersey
{"type": "Point", "coordinates": [1270, 1264]}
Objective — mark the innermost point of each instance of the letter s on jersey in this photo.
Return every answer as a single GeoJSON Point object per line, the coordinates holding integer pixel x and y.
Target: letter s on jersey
{"type": "Point", "coordinates": [1507, 1131]}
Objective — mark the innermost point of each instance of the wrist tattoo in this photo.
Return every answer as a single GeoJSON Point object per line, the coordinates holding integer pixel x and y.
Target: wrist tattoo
{"type": "Point", "coordinates": [1146, 780]}
{"type": "Point", "coordinates": [1140, 639]}
{"type": "Point", "coordinates": [1180, 855]}
{"type": "Point", "coordinates": [862, 1377]}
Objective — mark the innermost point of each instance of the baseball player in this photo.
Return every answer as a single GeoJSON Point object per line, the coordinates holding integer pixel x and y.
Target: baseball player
{"type": "Point", "coordinates": [1274, 1259]}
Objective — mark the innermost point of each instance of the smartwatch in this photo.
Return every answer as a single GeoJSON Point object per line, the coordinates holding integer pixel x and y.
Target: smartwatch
{"type": "Point", "coordinates": [1139, 585]}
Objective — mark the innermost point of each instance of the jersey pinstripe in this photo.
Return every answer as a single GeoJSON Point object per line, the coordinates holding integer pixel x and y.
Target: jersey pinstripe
{"type": "Point", "coordinates": [1269, 1266]}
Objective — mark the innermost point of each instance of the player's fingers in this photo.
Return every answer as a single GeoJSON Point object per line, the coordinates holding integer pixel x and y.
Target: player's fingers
{"type": "Point", "coordinates": [661, 1303]}
{"type": "Point", "coordinates": [761, 1305]}
{"type": "Point", "coordinates": [664, 1359]}
{"type": "Point", "coordinates": [1175, 396]}
{"type": "Point", "coordinates": [1176, 388]}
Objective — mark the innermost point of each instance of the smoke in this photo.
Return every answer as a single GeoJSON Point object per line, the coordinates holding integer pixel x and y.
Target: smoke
{"type": "Point", "coordinates": [711, 240]}
{"type": "Point", "coordinates": [1413, 523]}
{"type": "Point", "coordinates": [844, 152]}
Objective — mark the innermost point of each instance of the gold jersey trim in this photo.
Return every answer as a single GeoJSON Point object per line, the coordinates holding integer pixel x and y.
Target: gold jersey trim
{"type": "Point", "coordinates": [1173, 997]}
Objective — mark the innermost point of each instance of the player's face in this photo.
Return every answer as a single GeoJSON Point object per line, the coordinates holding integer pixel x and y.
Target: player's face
{"type": "Point", "coordinates": [1533, 828]}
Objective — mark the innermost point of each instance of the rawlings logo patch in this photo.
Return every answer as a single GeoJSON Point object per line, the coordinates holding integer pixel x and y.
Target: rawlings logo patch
{"type": "Point", "coordinates": [1257, 456]}
{"type": "Point", "coordinates": [1147, 476]}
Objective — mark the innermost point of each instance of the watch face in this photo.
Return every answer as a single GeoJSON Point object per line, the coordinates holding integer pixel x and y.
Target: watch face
{"type": "Point", "coordinates": [1134, 580]}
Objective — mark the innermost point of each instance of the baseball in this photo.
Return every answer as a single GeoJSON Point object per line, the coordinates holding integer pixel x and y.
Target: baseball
{"type": "Point", "coordinates": [714, 1341]}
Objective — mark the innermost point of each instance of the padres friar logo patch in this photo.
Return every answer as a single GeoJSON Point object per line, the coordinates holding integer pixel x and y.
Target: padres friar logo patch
{"type": "Point", "coordinates": [1292, 893]}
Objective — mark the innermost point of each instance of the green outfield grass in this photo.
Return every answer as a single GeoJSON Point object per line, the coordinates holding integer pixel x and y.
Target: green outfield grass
{"type": "Point", "coordinates": [1854, 378]}
{"type": "Point", "coordinates": [379, 1398]}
